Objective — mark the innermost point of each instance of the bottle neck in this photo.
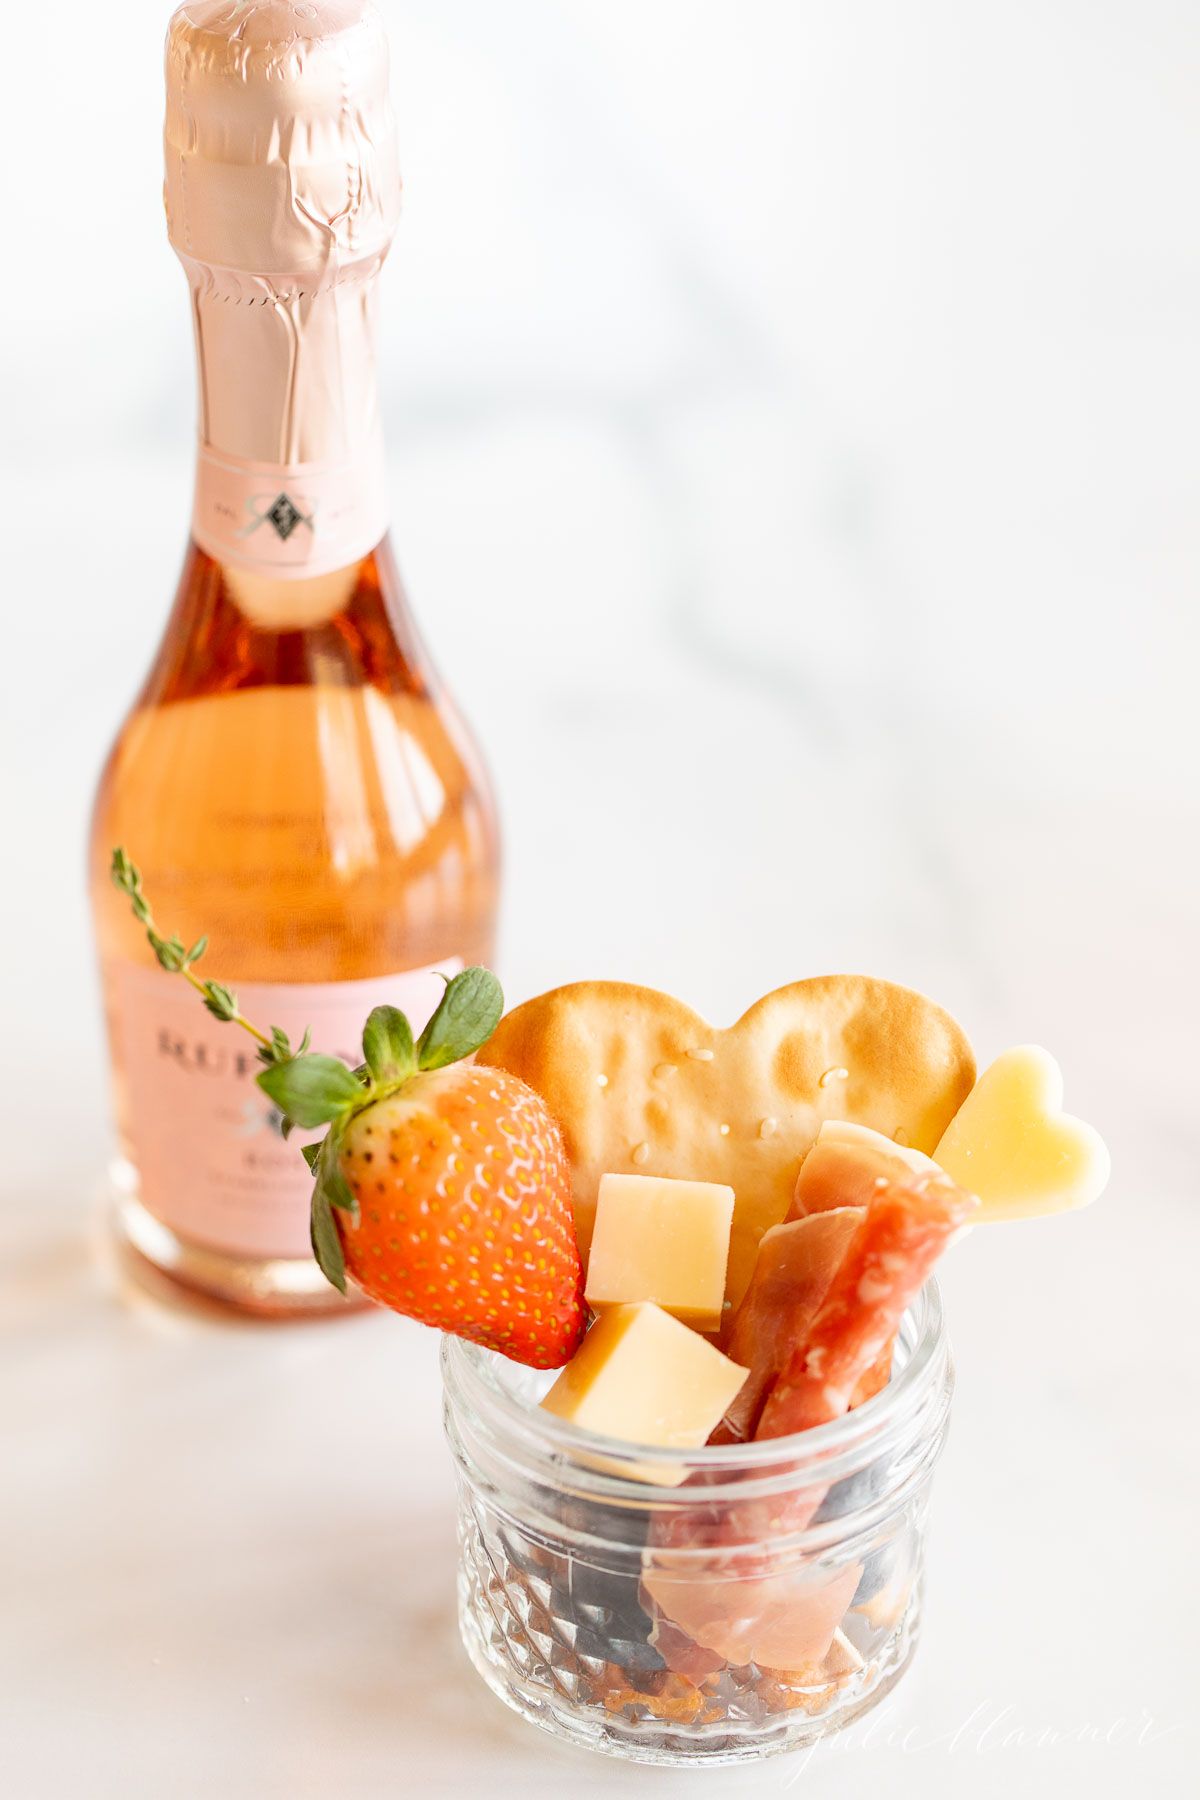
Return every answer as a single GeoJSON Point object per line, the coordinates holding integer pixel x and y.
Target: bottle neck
{"type": "Point", "coordinates": [290, 478]}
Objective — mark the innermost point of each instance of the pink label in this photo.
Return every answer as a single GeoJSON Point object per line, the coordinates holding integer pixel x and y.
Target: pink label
{"type": "Point", "coordinates": [293, 521]}
{"type": "Point", "coordinates": [211, 1162]}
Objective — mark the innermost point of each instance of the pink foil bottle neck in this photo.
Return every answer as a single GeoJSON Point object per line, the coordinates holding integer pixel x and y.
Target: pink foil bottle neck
{"type": "Point", "coordinates": [282, 193]}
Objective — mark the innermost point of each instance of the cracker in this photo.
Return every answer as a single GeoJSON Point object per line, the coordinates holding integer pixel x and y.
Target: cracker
{"type": "Point", "coordinates": [640, 1083]}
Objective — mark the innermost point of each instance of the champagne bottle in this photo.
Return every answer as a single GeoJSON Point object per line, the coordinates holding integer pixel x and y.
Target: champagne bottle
{"type": "Point", "coordinates": [292, 778]}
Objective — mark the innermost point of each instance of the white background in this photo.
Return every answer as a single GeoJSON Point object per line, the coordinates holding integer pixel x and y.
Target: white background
{"type": "Point", "coordinates": [793, 423]}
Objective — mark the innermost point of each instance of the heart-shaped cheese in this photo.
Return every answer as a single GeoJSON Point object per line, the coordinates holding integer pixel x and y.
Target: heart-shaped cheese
{"type": "Point", "coordinates": [640, 1083]}
{"type": "Point", "coordinates": [1011, 1143]}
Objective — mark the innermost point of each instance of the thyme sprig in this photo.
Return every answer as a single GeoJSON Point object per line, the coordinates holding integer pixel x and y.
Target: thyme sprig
{"type": "Point", "coordinates": [310, 1089]}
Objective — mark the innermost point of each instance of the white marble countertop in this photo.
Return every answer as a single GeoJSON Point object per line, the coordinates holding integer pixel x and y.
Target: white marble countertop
{"type": "Point", "coordinates": [230, 1547]}
{"type": "Point", "coordinates": [809, 623]}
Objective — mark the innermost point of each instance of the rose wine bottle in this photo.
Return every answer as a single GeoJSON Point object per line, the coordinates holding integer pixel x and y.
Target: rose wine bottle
{"type": "Point", "coordinates": [292, 780]}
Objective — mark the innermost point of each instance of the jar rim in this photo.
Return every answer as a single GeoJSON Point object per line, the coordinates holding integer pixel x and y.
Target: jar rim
{"type": "Point", "coordinates": [477, 1375]}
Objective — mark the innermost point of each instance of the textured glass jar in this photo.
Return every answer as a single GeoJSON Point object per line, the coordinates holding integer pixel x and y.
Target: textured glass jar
{"type": "Point", "coordinates": [807, 1550]}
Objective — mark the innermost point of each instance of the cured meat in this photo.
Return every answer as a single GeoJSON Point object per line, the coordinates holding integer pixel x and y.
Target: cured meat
{"type": "Point", "coordinates": [751, 1612]}
{"type": "Point", "coordinates": [797, 1261]}
{"type": "Point", "coordinates": [682, 1654]}
{"type": "Point", "coordinates": [846, 1167]}
{"type": "Point", "coordinates": [795, 1264]}
{"type": "Point", "coordinates": [908, 1224]}
{"type": "Point", "coordinates": [718, 1570]}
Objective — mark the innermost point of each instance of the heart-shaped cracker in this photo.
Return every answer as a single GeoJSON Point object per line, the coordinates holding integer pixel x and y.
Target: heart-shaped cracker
{"type": "Point", "coordinates": [640, 1082]}
{"type": "Point", "coordinates": [1012, 1145]}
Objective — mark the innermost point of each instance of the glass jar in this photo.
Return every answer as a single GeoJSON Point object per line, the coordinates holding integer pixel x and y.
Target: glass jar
{"type": "Point", "coordinates": [768, 1594]}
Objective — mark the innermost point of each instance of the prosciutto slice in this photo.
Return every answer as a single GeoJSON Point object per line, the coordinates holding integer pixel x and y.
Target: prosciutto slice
{"type": "Point", "coordinates": [711, 1569]}
{"type": "Point", "coordinates": [845, 1167]}
{"type": "Point", "coordinates": [908, 1224]}
{"type": "Point", "coordinates": [795, 1265]}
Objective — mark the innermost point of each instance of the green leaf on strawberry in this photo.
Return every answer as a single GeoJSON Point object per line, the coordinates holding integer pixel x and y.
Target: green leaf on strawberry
{"type": "Point", "coordinates": [333, 1182]}
{"type": "Point", "coordinates": [326, 1244]}
{"type": "Point", "coordinates": [330, 1194]}
{"type": "Point", "coordinates": [311, 1089]}
{"type": "Point", "coordinates": [467, 1014]}
{"type": "Point", "coordinates": [388, 1045]}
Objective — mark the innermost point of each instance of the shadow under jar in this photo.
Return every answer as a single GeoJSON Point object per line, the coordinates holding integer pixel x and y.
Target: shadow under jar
{"type": "Point", "coordinates": [795, 1563]}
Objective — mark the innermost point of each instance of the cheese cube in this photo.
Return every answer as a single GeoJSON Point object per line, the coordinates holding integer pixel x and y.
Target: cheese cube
{"type": "Point", "coordinates": [661, 1240]}
{"type": "Point", "coordinates": [641, 1375]}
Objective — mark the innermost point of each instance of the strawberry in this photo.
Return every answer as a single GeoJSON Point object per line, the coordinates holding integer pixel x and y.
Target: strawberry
{"type": "Point", "coordinates": [464, 1212]}
{"type": "Point", "coordinates": [441, 1188]}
